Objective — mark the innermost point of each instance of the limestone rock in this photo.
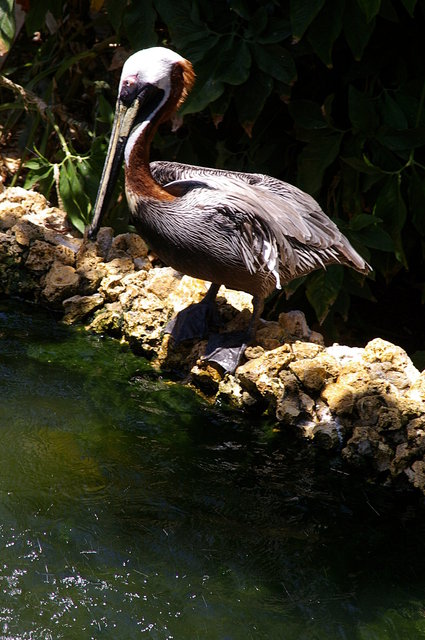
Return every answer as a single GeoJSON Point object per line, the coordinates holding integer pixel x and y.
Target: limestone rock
{"type": "Point", "coordinates": [60, 283]}
{"type": "Point", "coordinates": [40, 256]}
{"type": "Point", "coordinates": [131, 244]}
{"type": "Point", "coordinates": [294, 326]}
{"type": "Point", "coordinates": [260, 375]}
{"type": "Point", "coordinates": [365, 405]}
{"type": "Point", "coordinates": [416, 474]}
{"type": "Point", "coordinates": [26, 232]}
{"type": "Point", "coordinates": [206, 378]}
{"type": "Point", "coordinates": [108, 319]}
{"type": "Point", "coordinates": [78, 307]}
{"type": "Point", "coordinates": [315, 372]}
{"type": "Point", "coordinates": [103, 242]}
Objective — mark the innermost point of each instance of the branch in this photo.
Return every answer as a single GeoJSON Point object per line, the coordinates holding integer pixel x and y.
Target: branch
{"type": "Point", "coordinates": [29, 97]}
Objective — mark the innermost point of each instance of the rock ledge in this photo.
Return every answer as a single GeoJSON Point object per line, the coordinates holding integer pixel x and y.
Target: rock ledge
{"type": "Point", "coordinates": [365, 404]}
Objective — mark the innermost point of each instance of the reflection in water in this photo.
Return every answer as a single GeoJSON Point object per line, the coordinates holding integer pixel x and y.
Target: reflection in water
{"type": "Point", "coordinates": [129, 507]}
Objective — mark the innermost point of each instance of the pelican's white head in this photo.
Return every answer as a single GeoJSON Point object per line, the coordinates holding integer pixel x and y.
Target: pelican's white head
{"type": "Point", "coordinates": [152, 66]}
{"type": "Point", "coordinates": [151, 79]}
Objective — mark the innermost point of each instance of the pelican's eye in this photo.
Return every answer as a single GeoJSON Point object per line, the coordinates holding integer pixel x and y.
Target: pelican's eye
{"type": "Point", "coordinates": [129, 89]}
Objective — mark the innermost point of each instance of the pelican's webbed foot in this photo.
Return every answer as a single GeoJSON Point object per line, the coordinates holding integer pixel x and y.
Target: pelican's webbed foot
{"type": "Point", "coordinates": [194, 321]}
{"type": "Point", "coordinates": [227, 349]}
{"type": "Point", "coordinates": [190, 323]}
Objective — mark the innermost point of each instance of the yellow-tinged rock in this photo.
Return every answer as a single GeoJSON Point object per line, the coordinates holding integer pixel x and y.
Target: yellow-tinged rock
{"type": "Point", "coordinates": [314, 373]}
{"type": "Point", "coordinates": [132, 244]}
{"type": "Point", "coordinates": [339, 397]}
{"type": "Point", "coordinates": [61, 282]}
{"type": "Point", "coordinates": [40, 256]}
{"type": "Point", "coordinates": [78, 307]}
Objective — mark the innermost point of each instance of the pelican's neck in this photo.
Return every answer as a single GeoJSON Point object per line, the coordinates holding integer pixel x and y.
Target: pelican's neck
{"type": "Point", "coordinates": [138, 176]}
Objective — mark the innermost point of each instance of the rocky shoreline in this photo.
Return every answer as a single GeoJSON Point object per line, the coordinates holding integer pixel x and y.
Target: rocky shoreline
{"type": "Point", "coordinates": [367, 405]}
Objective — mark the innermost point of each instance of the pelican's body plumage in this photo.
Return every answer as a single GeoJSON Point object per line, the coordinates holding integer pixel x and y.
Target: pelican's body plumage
{"type": "Point", "coordinates": [250, 232]}
{"type": "Point", "coordinates": [255, 233]}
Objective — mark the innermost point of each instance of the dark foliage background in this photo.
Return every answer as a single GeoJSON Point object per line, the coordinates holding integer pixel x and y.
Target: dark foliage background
{"type": "Point", "coordinates": [326, 94]}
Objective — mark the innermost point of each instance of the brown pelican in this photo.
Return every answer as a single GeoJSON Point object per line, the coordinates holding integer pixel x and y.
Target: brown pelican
{"type": "Point", "coordinates": [250, 232]}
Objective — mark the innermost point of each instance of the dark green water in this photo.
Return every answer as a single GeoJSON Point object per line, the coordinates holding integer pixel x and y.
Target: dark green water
{"type": "Point", "coordinates": [128, 508]}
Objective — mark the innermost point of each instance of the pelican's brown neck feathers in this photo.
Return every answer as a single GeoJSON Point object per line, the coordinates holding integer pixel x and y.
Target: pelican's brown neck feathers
{"type": "Point", "coordinates": [138, 176]}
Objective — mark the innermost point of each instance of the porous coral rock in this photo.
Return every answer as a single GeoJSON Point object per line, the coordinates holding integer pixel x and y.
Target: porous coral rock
{"type": "Point", "coordinates": [339, 398]}
{"type": "Point", "coordinates": [368, 404]}
{"type": "Point", "coordinates": [260, 375]}
{"type": "Point", "coordinates": [40, 256]}
{"type": "Point", "coordinates": [26, 232]}
{"type": "Point", "coordinates": [61, 282]}
{"type": "Point", "coordinates": [78, 307]}
{"type": "Point", "coordinates": [132, 244]}
{"type": "Point", "coordinates": [315, 372]}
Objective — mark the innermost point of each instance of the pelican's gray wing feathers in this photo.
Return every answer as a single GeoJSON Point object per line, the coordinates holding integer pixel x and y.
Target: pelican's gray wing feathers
{"type": "Point", "coordinates": [279, 227]}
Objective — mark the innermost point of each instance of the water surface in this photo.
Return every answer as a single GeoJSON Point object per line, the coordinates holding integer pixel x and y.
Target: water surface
{"type": "Point", "coordinates": [130, 508]}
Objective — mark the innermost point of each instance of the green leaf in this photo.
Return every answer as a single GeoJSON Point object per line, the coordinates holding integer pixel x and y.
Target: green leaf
{"type": "Point", "coordinates": [363, 220]}
{"type": "Point", "coordinates": [307, 114]}
{"type": "Point", "coordinates": [115, 12]}
{"type": "Point", "coordinates": [391, 208]}
{"type": "Point", "coordinates": [14, 106]}
{"type": "Point", "coordinates": [275, 61]}
{"type": "Point", "coordinates": [200, 46]}
{"type": "Point", "coordinates": [382, 156]}
{"type": "Point", "coordinates": [355, 284]}
{"type": "Point", "coordinates": [302, 15]}
{"type": "Point", "coordinates": [258, 22]}
{"type": "Point", "coordinates": [403, 140]}
{"type": "Point", "coordinates": [392, 114]}
{"type": "Point", "coordinates": [143, 15]}
{"type": "Point", "coordinates": [233, 61]}
{"type": "Point", "coordinates": [251, 97]}
{"type": "Point", "coordinates": [357, 31]}
{"type": "Point", "coordinates": [207, 89]}
{"type": "Point", "coordinates": [362, 111]}
{"type": "Point", "coordinates": [363, 165]}
{"type": "Point", "coordinates": [191, 37]}
{"type": "Point", "coordinates": [417, 202]}
{"type": "Point", "coordinates": [219, 107]}
{"type": "Point", "coordinates": [36, 163]}
{"type": "Point", "coordinates": [294, 285]}
{"type": "Point", "coordinates": [278, 30]}
{"type": "Point", "coordinates": [7, 25]}
{"type": "Point", "coordinates": [69, 62]}
{"type": "Point", "coordinates": [41, 176]}
{"type": "Point", "coordinates": [314, 160]}
{"type": "Point", "coordinates": [228, 62]}
{"type": "Point", "coordinates": [323, 288]}
{"type": "Point", "coordinates": [326, 29]}
{"type": "Point", "coordinates": [36, 16]}
{"type": "Point", "coordinates": [74, 198]}
{"type": "Point", "coordinates": [409, 5]}
{"type": "Point", "coordinates": [373, 237]}
{"type": "Point", "coordinates": [370, 8]}
{"type": "Point", "coordinates": [105, 110]}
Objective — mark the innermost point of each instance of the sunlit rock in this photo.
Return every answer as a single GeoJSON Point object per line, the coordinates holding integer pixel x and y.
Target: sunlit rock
{"type": "Point", "coordinates": [79, 307]}
{"type": "Point", "coordinates": [40, 256]}
{"type": "Point", "coordinates": [60, 283]}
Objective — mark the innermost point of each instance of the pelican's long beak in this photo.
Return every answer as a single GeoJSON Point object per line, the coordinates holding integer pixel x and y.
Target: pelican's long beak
{"type": "Point", "coordinates": [125, 117]}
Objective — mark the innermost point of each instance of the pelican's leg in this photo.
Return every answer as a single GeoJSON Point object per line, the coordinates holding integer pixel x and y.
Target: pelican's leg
{"type": "Point", "coordinates": [227, 349]}
{"type": "Point", "coordinates": [194, 321]}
